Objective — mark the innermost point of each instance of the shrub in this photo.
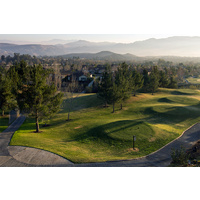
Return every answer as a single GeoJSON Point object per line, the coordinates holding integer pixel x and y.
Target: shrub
{"type": "Point", "coordinates": [88, 89]}
{"type": "Point", "coordinates": [179, 156]}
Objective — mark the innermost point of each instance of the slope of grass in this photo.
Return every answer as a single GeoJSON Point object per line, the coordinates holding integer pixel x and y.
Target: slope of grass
{"type": "Point", "coordinates": [3, 123]}
{"type": "Point", "coordinates": [95, 134]}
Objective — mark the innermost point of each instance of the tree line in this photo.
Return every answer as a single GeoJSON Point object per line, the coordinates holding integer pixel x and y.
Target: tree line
{"type": "Point", "coordinates": [118, 86]}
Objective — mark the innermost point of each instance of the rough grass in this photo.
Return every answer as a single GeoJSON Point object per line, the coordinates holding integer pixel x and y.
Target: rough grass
{"type": "Point", "coordinates": [95, 134]}
{"type": "Point", "coordinates": [3, 122]}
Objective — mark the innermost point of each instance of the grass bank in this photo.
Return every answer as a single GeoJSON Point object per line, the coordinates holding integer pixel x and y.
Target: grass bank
{"type": "Point", "coordinates": [3, 122]}
{"type": "Point", "coordinates": [95, 134]}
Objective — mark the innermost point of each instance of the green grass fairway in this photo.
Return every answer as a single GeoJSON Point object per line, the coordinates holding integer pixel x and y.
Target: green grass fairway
{"type": "Point", "coordinates": [194, 80]}
{"type": "Point", "coordinates": [3, 123]}
{"type": "Point", "coordinates": [95, 134]}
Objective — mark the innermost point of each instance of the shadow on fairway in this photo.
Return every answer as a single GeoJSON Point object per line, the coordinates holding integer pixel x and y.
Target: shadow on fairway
{"type": "Point", "coordinates": [80, 103]}
{"type": "Point", "coordinates": [182, 93]}
{"type": "Point", "coordinates": [169, 115]}
{"type": "Point", "coordinates": [115, 132]}
{"type": "Point", "coordinates": [30, 125]}
{"type": "Point", "coordinates": [165, 100]}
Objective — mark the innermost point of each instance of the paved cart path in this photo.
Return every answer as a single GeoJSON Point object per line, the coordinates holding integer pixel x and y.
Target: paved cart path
{"type": "Point", "coordinates": [18, 156]}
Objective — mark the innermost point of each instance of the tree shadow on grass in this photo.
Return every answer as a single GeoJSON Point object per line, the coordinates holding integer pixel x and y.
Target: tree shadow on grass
{"type": "Point", "coordinates": [80, 103]}
{"type": "Point", "coordinates": [182, 93]}
{"type": "Point", "coordinates": [29, 125]}
{"type": "Point", "coordinates": [60, 122]}
{"type": "Point", "coordinates": [179, 100]}
{"type": "Point", "coordinates": [165, 100]}
{"type": "Point", "coordinates": [108, 133]}
{"type": "Point", "coordinates": [175, 114]}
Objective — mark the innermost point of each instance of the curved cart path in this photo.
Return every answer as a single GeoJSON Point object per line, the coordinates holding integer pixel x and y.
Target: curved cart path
{"type": "Point", "coordinates": [18, 156]}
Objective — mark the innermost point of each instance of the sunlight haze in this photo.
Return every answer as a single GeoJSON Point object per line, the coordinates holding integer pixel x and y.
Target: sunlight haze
{"type": "Point", "coordinates": [118, 38]}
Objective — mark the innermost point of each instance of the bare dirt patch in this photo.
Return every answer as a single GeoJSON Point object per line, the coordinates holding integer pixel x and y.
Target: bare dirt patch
{"type": "Point", "coordinates": [152, 139]}
{"type": "Point", "coordinates": [133, 150]}
{"type": "Point", "coordinates": [78, 127]}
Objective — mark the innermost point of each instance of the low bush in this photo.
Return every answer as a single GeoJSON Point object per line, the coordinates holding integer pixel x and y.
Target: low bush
{"type": "Point", "coordinates": [179, 156]}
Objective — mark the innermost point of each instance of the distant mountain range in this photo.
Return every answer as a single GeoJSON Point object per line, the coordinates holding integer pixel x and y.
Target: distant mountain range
{"type": "Point", "coordinates": [172, 46]}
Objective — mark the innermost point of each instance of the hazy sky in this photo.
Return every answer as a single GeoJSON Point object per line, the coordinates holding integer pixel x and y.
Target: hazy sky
{"type": "Point", "coordinates": [122, 38]}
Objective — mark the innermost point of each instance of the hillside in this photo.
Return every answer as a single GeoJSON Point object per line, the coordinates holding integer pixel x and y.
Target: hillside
{"type": "Point", "coordinates": [103, 55]}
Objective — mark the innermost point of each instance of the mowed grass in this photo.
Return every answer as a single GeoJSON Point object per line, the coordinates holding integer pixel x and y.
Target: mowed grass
{"type": "Point", "coordinates": [194, 80]}
{"type": "Point", "coordinates": [3, 122]}
{"type": "Point", "coordinates": [95, 134]}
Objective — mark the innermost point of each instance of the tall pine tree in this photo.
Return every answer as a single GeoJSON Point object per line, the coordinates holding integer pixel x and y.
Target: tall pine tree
{"type": "Point", "coordinates": [7, 98]}
{"type": "Point", "coordinates": [163, 82]}
{"type": "Point", "coordinates": [154, 82]}
{"type": "Point", "coordinates": [137, 81]}
{"type": "Point", "coordinates": [42, 100]}
{"type": "Point", "coordinates": [105, 85]}
{"type": "Point", "coordinates": [123, 83]}
{"type": "Point", "coordinates": [146, 79]}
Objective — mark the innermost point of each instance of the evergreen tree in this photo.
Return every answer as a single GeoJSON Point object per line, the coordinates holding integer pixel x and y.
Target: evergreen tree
{"type": "Point", "coordinates": [23, 71]}
{"type": "Point", "coordinates": [108, 89]}
{"type": "Point", "coordinates": [105, 85]}
{"type": "Point", "coordinates": [156, 71]}
{"type": "Point", "coordinates": [172, 83]}
{"type": "Point", "coordinates": [154, 82]}
{"type": "Point", "coordinates": [163, 82]}
{"type": "Point", "coordinates": [146, 79]}
{"type": "Point", "coordinates": [137, 81]}
{"type": "Point", "coordinates": [7, 98]}
{"type": "Point", "coordinates": [20, 76]}
{"type": "Point", "coordinates": [114, 95]}
{"type": "Point", "coordinates": [42, 100]}
{"type": "Point", "coordinates": [123, 83]}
